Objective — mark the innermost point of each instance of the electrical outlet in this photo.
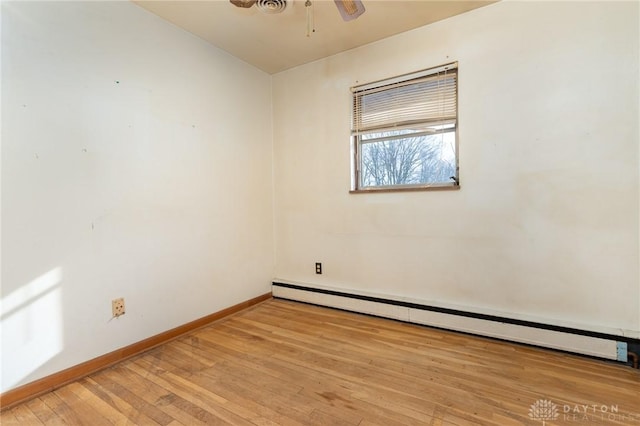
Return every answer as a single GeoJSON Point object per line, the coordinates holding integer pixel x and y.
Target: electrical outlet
{"type": "Point", "coordinates": [117, 307]}
{"type": "Point", "coordinates": [318, 268]}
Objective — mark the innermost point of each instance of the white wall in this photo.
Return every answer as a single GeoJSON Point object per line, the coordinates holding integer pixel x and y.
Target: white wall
{"type": "Point", "coordinates": [136, 163]}
{"type": "Point", "coordinates": [546, 223]}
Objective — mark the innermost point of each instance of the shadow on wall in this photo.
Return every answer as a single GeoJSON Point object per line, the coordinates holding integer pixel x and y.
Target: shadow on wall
{"type": "Point", "coordinates": [31, 327]}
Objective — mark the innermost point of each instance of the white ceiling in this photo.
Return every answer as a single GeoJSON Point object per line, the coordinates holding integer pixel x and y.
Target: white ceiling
{"type": "Point", "coordinates": [275, 43]}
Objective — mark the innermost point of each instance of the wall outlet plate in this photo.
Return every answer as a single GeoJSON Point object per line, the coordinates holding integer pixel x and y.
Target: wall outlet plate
{"type": "Point", "coordinates": [117, 307]}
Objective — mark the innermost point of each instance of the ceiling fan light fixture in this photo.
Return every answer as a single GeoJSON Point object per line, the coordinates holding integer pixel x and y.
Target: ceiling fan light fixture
{"type": "Point", "coordinates": [350, 9]}
{"type": "Point", "coordinates": [243, 3]}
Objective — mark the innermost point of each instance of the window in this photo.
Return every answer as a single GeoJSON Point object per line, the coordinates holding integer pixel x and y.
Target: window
{"type": "Point", "coordinates": [404, 132]}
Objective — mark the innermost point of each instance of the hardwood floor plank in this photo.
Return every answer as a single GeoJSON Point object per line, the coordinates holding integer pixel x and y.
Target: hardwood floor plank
{"type": "Point", "coordinates": [226, 382]}
{"type": "Point", "coordinates": [86, 412]}
{"type": "Point", "coordinates": [65, 413]}
{"type": "Point", "coordinates": [24, 416]}
{"type": "Point", "coordinates": [134, 416]}
{"type": "Point", "coordinates": [8, 418]}
{"type": "Point", "coordinates": [207, 406]}
{"type": "Point", "coordinates": [224, 388]}
{"type": "Point", "coordinates": [167, 400]}
{"type": "Point", "coordinates": [287, 363]}
{"type": "Point", "coordinates": [319, 417]}
{"type": "Point", "coordinates": [296, 380]}
{"type": "Point", "coordinates": [132, 392]}
{"type": "Point", "coordinates": [103, 409]}
{"type": "Point", "coordinates": [42, 411]}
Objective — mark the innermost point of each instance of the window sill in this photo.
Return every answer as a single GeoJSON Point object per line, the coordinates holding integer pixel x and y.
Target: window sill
{"type": "Point", "coordinates": [445, 187]}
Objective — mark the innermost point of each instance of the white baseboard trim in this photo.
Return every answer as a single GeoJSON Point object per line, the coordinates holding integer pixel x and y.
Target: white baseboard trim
{"type": "Point", "coordinates": [596, 344]}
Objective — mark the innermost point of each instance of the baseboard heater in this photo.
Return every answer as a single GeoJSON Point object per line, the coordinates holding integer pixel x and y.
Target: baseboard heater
{"type": "Point", "coordinates": [590, 343]}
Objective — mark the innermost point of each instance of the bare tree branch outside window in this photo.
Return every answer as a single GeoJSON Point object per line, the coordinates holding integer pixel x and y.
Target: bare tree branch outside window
{"type": "Point", "coordinates": [407, 159]}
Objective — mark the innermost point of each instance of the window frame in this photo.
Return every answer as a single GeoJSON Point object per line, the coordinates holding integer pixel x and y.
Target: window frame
{"type": "Point", "coordinates": [357, 141]}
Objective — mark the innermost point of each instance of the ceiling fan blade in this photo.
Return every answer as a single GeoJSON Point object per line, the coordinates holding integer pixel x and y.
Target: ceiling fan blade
{"type": "Point", "coordinates": [350, 9]}
{"type": "Point", "coordinates": [243, 3]}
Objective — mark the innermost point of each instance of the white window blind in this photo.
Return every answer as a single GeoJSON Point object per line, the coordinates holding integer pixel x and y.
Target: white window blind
{"type": "Point", "coordinates": [419, 100]}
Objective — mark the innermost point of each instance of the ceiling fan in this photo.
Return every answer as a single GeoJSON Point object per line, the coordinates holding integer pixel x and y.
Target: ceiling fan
{"type": "Point", "coordinates": [349, 9]}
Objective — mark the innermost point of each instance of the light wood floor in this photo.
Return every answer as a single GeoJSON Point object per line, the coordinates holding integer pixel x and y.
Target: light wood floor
{"type": "Point", "coordinates": [284, 363]}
